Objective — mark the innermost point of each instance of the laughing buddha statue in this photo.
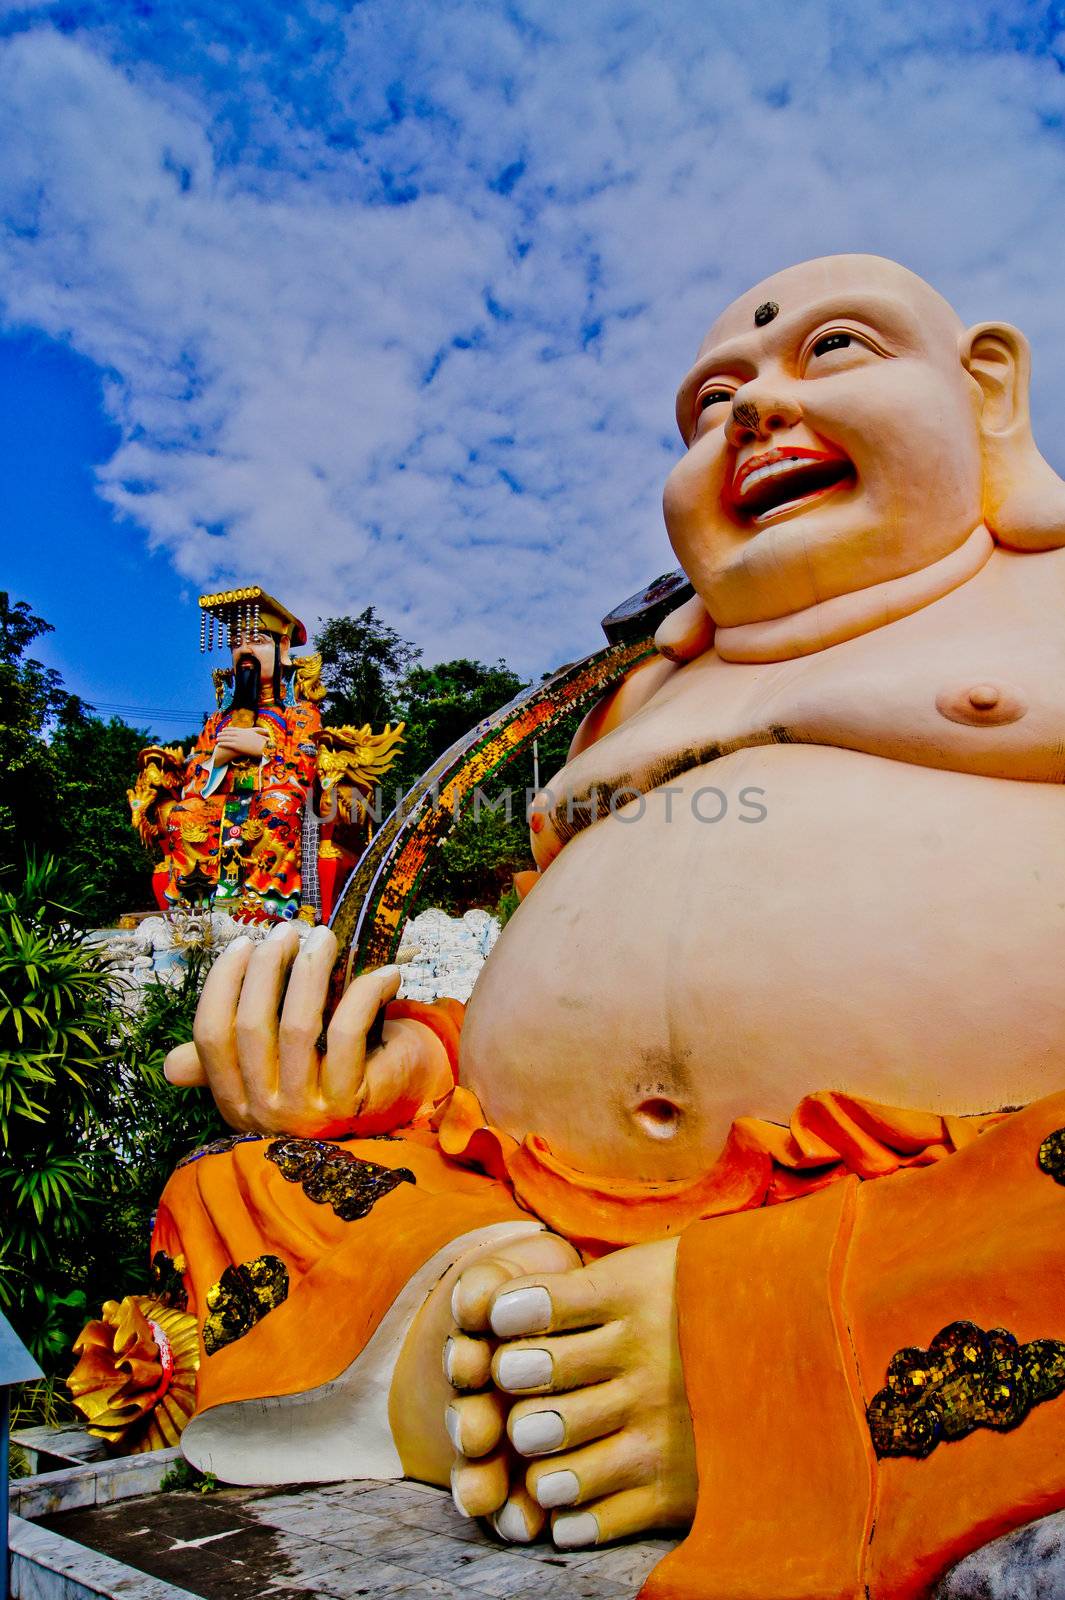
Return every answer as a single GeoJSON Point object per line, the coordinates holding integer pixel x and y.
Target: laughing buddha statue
{"type": "Point", "coordinates": [733, 1203]}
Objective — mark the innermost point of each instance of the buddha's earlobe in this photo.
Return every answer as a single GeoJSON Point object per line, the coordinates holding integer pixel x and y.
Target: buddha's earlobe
{"type": "Point", "coordinates": [1024, 498]}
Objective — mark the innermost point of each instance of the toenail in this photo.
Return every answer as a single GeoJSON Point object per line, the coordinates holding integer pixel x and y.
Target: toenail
{"type": "Point", "coordinates": [557, 1489]}
{"type": "Point", "coordinates": [453, 1424]}
{"type": "Point", "coordinates": [510, 1524]}
{"type": "Point", "coordinates": [449, 1360]}
{"type": "Point", "coordinates": [524, 1369]}
{"type": "Point", "coordinates": [521, 1311]}
{"type": "Point", "coordinates": [538, 1433]}
{"type": "Point", "coordinates": [581, 1528]}
{"type": "Point", "coordinates": [456, 1497]}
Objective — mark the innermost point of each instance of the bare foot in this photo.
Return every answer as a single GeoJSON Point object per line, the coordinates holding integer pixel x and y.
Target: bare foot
{"type": "Point", "coordinates": [448, 1420]}
{"type": "Point", "coordinates": [609, 1431]}
{"type": "Point", "coordinates": [486, 1478]}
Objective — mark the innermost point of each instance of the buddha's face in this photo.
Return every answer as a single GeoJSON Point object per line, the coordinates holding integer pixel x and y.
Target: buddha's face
{"type": "Point", "coordinates": [833, 443]}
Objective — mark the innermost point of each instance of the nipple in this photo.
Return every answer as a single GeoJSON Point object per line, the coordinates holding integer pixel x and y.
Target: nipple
{"type": "Point", "coordinates": [982, 704]}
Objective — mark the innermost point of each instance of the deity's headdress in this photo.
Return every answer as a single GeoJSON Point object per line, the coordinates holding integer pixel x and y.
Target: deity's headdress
{"type": "Point", "coordinates": [231, 613]}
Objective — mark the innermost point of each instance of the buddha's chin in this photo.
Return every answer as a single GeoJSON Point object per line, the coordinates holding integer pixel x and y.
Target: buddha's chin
{"type": "Point", "coordinates": [666, 978]}
{"type": "Point", "coordinates": [801, 559]}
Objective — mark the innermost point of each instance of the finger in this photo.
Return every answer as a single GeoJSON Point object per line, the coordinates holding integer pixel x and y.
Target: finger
{"type": "Point", "coordinates": [616, 1516]}
{"type": "Point", "coordinates": [260, 1000]}
{"type": "Point", "coordinates": [476, 1423]}
{"type": "Point", "coordinates": [539, 1429]}
{"type": "Point", "coordinates": [471, 1298]}
{"type": "Point", "coordinates": [479, 1488]}
{"type": "Point", "coordinates": [521, 1519]}
{"type": "Point", "coordinates": [301, 1016]}
{"type": "Point", "coordinates": [346, 1036]}
{"type": "Point", "coordinates": [467, 1362]}
{"type": "Point", "coordinates": [686, 632]}
{"type": "Point", "coordinates": [394, 1080]}
{"type": "Point", "coordinates": [545, 1304]}
{"type": "Point", "coordinates": [620, 1462]}
{"type": "Point", "coordinates": [570, 1361]}
{"type": "Point", "coordinates": [183, 1067]}
{"type": "Point", "coordinates": [214, 1029]}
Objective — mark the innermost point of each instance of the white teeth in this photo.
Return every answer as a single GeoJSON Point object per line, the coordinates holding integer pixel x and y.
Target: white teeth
{"type": "Point", "coordinates": [773, 469]}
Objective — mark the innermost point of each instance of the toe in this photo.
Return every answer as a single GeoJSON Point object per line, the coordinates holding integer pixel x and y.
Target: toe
{"type": "Point", "coordinates": [472, 1295]}
{"type": "Point", "coordinates": [616, 1516]}
{"type": "Point", "coordinates": [570, 1361]}
{"type": "Point", "coordinates": [467, 1362]}
{"type": "Point", "coordinates": [601, 1468]}
{"type": "Point", "coordinates": [475, 1424]}
{"type": "Point", "coordinates": [550, 1303]}
{"type": "Point", "coordinates": [521, 1520]}
{"type": "Point", "coordinates": [538, 1429]}
{"type": "Point", "coordinates": [479, 1488]}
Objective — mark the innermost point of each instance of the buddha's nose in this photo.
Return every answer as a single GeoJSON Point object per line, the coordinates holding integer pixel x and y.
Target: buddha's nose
{"type": "Point", "coordinates": [759, 411]}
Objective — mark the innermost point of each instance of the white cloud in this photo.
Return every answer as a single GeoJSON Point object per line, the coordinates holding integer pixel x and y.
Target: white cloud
{"type": "Point", "coordinates": [212, 232]}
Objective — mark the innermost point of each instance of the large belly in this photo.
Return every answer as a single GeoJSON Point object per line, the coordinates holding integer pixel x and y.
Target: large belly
{"type": "Point", "coordinates": [893, 931]}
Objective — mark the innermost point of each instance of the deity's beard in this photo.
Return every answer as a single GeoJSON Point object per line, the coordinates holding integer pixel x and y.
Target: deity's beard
{"type": "Point", "coordinates": [845, 616]}
{"type": "Point", "coordinates": [247, 684]}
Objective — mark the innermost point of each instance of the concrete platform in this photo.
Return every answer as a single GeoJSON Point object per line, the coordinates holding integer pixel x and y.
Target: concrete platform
{"type": "Point", "coordinates": [105, 1532]}
{"type": "Point", "coordinates": [93, 1535]}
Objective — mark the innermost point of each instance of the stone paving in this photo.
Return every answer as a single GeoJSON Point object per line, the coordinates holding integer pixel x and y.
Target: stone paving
{"type": "Point", "coordinates": [402, 1540]}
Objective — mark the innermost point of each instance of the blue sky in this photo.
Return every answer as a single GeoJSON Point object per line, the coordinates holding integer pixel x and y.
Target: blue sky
{"type": "Point", "coordinates": [386, 303]}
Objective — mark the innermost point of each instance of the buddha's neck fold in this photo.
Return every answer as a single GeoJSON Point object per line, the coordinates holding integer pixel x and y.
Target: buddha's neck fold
{"type": "Point", "coordinates": [844, 617]}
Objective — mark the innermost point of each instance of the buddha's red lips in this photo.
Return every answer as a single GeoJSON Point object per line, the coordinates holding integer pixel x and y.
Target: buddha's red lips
{"type": "Point", "coordinates": [780, 477]}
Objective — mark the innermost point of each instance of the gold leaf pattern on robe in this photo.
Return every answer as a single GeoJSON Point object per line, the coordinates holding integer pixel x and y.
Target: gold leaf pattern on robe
{"type": "Point", "coordinates": [242, 1296]}
{"type": "Point", "coordinates": [331, 1176]}
{"type": "Point", "coordinates": [966, 1379]}
{"type": "Point", "coordinates": [1052, 1155]}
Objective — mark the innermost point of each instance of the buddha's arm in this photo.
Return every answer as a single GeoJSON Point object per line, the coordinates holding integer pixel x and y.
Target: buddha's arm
{"type": "Point", "coordinates": [638, 686]}
{"type": "Point", "coordinates": [836, 1457]}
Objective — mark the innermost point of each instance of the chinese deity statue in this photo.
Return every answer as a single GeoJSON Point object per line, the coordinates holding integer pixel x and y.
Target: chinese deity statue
{"type": "Point", "coordinates": [234, 827]}
{"type": "Point", "coordinates": [734, 1202]}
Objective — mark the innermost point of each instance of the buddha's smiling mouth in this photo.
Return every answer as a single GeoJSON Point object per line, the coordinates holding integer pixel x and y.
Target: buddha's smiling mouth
{"type": "Point", "coordinates": [779, 482]}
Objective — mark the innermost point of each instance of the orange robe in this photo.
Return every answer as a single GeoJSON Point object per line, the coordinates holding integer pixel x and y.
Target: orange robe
{"type": "Point", "coordinates": [790, 1314]}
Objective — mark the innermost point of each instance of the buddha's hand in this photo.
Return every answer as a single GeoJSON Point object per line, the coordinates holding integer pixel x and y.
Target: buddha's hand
{"type": "Point", "coordinates": [256, 1035]}
{"type": "Point", "coordinates": [591, 1362]}
{"type": "Point", "coordinates": [235, 743]}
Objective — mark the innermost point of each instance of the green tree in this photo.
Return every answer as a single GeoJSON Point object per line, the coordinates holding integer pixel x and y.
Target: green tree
{"type": "Point", "coordinates": [489, 842]}
{"type": "Point", "coordinates": [95, 762]}
{"type": "Point", "coordinates": [32, 699]}
{"type": "Point", "coordinates": [363, 660]}
{"type": "Point", "coordinates": [443, 703]}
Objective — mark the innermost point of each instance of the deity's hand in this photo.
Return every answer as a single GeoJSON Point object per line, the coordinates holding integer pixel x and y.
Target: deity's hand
{"type": "Point", "coordinates": [609, 1433]}
{"type": "Point", "coordinates": [261, 1061]}
{"type": "Point", "coordinates": [235, 743]}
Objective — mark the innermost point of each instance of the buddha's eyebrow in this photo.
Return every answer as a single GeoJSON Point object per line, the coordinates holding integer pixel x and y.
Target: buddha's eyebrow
{"type": "Point", "coordinates": [741, 355]}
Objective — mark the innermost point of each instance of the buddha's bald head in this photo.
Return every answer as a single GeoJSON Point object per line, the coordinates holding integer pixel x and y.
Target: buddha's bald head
{"type": "Point", "coordinates": [838, 419]}
{"type": "Point", "coordinates": [836, 278]}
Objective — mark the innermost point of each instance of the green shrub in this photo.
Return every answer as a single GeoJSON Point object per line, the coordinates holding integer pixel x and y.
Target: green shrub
{"type": "Point", "coordinates": [56, 1055]}
{"type": "Point", "coordinates": [89, 1128]}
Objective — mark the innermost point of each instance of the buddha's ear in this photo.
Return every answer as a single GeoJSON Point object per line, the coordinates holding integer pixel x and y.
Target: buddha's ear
{"type": "Point", "coordinates": [1024, 499]}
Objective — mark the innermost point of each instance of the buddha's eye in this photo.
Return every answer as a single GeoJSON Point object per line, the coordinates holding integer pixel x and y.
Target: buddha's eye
{"type": "Point", "coordinates": [831, 341]}
{"type": "Point", "coordinates": [713, 397]}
